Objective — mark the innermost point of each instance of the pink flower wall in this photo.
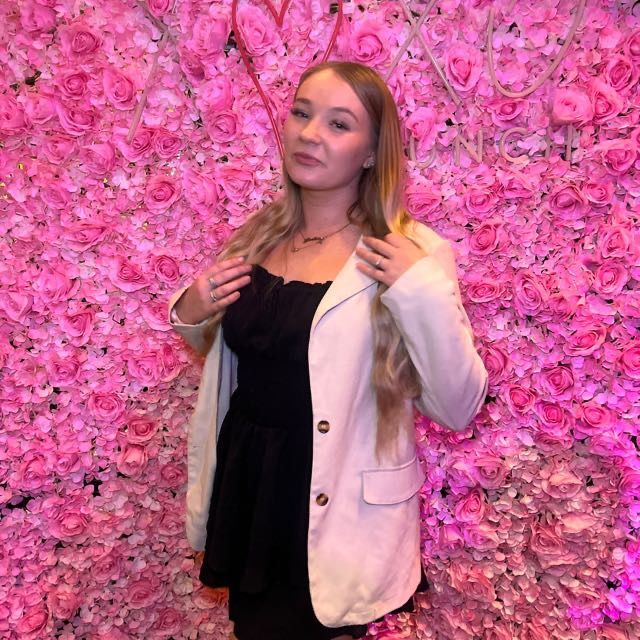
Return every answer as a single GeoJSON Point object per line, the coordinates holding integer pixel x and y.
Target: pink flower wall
{"type": "Point", "coordinates": [531, 517]}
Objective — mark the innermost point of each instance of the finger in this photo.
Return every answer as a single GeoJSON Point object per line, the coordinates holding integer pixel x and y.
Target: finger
{"type": "Point", "coordinates": [222, 303]}
{"type": "Point", "coordinates": [222, 276]}
{"type": "Point", "coordinates": [230, 287]}
{"type": "Point", "coordinates": [373, 258]}
{"type": "Point", "coordinates": [223, 265]}
{"type": "Point", "coordinates": [382, 247]}
{"type": "Point", "coordinates": [372, 272]}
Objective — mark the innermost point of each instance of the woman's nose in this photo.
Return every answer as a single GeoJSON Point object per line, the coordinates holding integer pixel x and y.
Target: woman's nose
{"type": "Point", "coordinates": [310, 131]}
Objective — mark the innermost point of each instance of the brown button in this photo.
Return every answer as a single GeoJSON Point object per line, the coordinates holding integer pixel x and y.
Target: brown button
{"type": "Point", "coordinates": [322, 499]}
{"type": "Point", "coordinates": [323, 426]}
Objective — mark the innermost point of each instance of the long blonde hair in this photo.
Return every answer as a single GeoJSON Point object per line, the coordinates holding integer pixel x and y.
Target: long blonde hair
{"type": "Point", "coordinates": [381, 201]}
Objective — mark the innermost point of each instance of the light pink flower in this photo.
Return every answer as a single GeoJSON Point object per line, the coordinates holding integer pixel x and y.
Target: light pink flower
{"type": "Point", "coordinates": [160, 8]}
{"type": "Point", "coordinates": [571, 106]}
{"type": "Point", "coordinates": [621, 73]}
{"type": "Point", "coordinates": [79, 40]}
{"type": "Point", "coordinates": [367, 42]}
{"type": "Point", "coordinates": [119, 89]}
{"type": "Point", "coordinates": [161, 193]}
{"type": "Point", "coordinates": [127, 275]}
{"type": "Point", "coordinates": [132, 460]}
{"type": "Point", "coordinates": [607, 103]}
{"type": "Point", "coordinates": [463, 66]}
{"type": "Point", "coordinates": [618, 156]}
{"type": "Point", "coordinates": [209, 34]}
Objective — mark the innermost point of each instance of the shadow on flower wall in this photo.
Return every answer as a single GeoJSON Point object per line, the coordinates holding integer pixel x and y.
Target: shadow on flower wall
{"type": "Point", "coordinates": [531, 516]}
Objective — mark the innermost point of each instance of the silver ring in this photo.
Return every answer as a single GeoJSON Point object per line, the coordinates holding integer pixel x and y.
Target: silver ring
{"type": "Point", "coordinates": [378, 261]}
{"type": "Point", "coordinates": [212, 283]}
{"type": "Point", "coordinates": [212, 295]}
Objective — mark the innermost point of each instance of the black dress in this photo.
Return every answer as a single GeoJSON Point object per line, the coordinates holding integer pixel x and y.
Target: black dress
{"type": "Point", "coordinates": [257, 529]}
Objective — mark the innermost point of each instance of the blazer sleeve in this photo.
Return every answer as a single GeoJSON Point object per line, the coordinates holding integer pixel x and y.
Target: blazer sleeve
{"type": "Point", "coordinates": [192, 333]}
{"type": "Point", "coordinates": [426, 305]}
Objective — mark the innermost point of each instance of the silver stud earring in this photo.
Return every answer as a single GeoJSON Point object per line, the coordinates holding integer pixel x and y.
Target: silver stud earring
{"type": "Point", "coordinates": [368, 164]}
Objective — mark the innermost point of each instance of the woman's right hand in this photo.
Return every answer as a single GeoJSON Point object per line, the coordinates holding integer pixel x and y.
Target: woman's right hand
{"type": "Point", "coordinates": [213, 290]}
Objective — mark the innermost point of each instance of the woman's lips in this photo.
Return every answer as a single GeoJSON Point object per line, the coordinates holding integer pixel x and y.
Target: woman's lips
{"type": "Point", "coordinates": [309, 161]}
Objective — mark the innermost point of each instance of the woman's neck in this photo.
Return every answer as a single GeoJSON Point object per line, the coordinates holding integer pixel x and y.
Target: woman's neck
{"type": "Point", "coordinates": [321, 213]}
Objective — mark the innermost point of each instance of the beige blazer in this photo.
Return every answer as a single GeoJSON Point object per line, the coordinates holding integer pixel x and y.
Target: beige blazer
{"type": "Point", "coordinates": [364, 535]}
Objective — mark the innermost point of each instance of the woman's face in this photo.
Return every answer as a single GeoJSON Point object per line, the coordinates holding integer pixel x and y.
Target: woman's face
{"type": "Point", "coordinates": [329, 123]}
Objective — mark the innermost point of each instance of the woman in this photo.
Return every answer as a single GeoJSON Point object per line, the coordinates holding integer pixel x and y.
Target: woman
{"type": "Point", "coordinates": [327, 317]}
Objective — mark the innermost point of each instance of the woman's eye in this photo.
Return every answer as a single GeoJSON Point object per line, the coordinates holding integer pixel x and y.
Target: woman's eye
{"type": "Point", "coordinates": [340, 125]}
{"type": "Point", "coordinates": [297, 112]}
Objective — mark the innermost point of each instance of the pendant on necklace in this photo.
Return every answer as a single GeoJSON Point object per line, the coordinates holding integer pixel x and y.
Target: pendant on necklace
{"type": "Point", "coordinates": [317, 239]}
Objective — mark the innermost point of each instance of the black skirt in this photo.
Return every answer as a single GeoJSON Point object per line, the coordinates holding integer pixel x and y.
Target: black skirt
{"type": "Point", "coordinates": [258, 521]}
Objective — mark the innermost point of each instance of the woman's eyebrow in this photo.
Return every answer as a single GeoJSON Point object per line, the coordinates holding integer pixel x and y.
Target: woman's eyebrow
{"type": "Point", "coordinates": [344, 109]}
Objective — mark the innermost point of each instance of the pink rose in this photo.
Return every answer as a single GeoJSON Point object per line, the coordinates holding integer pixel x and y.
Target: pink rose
{"type": "Point", "coordinates": [84, 235]}
{"type": "Point", "coordinates": [557, 381]}
{"type": "Point", "coordinates": [145, 368]}
{"type": "Point", "coordinates": [70, 524]}
{"type": "Point", "coordinates": [463, 66]}
{"type": "Point", "coordinates": [618, 156]}
{"type": "Point", "coordinates": [223, 126]}
{"type": "Point", "coordinates": [166, 269]}
{"type": "Point", "coordinates": [630, 360]}
{"type": "Point", "coordinates": [422, 124]}
{"type": "Point", "coordinates": [192, 66]}
{"type": "Point", "coordinates": [64, 603]}
{"type": "Point", "coordinates": [155, 315]}
{"type": "Point", "coordinates": [78, 326]}
{"type": "Point", "coordinates": [200, 191]}
{"type": "Point", "coordinates": [34, 623]}
{"type": "Point", "coordinates": [549, 547]}
{"type": "Point", "coordinates": [166, 144]}
{"type": "Point", "coordinates": [484, 240]}
{"type": "Point", "coordinates": [106, 568]}
{"type": "Point", "coordinates": [219, 236]}
{"type": "Point", "coordinates": [471, 508]}
{"type": "Point", "coordinates": [35, 18]}
{"type": "Point", "coordinates": [132, 460]}
{"type": "Point", "coordinates": [563, 305]}
{"type": "Point", "coordinates": [127, 276]}
{"type": "Point", "coordinates": [34, 471]}
{"type": "Point", "coordinates": [585, 341]}
{"type": "Point", "coordinates": [571, 106]}
{"type": "Point", "coordinates": [367, 42]}
{"type": "Point", "coordinates": [552, 443]}
{"type": "Point", "coordinates": [173, 475]}
{"type": "Point", "coordinates": [141, 430]}
{"type": "Point", "coordinates": [610, 278]}
{"type": "Point", "coordinates": [615, 241]}
{"type": "Point", "coordinates": [471, 582]}
{"type": "Point", "coordinates": [485, 291]}
{"type": "Point", "coordinates": [140, 146]}
{"type": "Point", "coordinates": [553, 418]}
{"type": "Point", "coordinates": [78, 40]}
{"type": "Point", "coordinates": [598, 192]}
{"type": "Point", "coordinates": [506, 111]}
{"type": "Point", "coordinates": [530, 293]}
{"type": "Point", "coordinates": [39, 109]}
{"type": "Point", "coordinates": [215, 95]}
{"type": "Point", "coordinates": [76, 121]}
{"type": "Point", "coordinates": [63, 372]}
{"type": "Point", "coordinates": [515, 184]}
{"type": "Point", "coordinates": [489, 471]}
{"type": "Point", "coordinates": [99, 158]}
{"type": "Point", "coordinates": [209, 34]}
{"type": "Point", "coordinates": [169, 363]}
{"type": "Point", "coordinates": [607, 103]}
{"type": "Point", "coordinates": [632, 45]}
{"type": "Point", "coordinates": [119, 89]}
{"type": "Point", "coordinates": [106, 407]}
{"type": "Point", "coordinates": [143, 593]}
{"type": "Point", "coordinates": [236, 182]}
{"type": "Point", "coordinates": [55, 196]}
{"type": "Point", "coordinates": [57, 149]}
{"type": "Point", "coordinates": [481, 200]}
{"type": "Point", "coordinates": [562, 485]}
{"type": "Point", "coordinates": [15, 305]}
{"type": "Point", "coordinates": [594, 418]}
{"type": "Point", "coordinates": [568, 205]}
{"type": "Point", "coordinates": [73, 85]}
{"type": "Point", "coordinates": [519, 399]}
{"type": "Point", "coordinates": [161, 193]}
{"type": "Point", "coordinates": [496, 362]}
{"type": "Point", "coordinates": [160, 8]}
{"type": "Point", "coordinates": [53, 285]}
{"type": "Point", "coordinates": [481, 536]}
{"type": "Point", "coordinates": [11, 115]}
{"type": "Point", "coordinates": [169, 622]}
{"type": "Point", "coordinates": [621, 73]}
{"type": "Point", "coordinates": [424, 202]}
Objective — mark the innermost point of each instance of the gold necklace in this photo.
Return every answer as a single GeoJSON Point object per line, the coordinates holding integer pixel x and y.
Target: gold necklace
{"type": "Point", "coordinates": [315, 239]}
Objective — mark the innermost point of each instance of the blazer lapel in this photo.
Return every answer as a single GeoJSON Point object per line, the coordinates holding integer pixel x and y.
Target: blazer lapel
{"type": "Point", "coordinates": [349, 281]}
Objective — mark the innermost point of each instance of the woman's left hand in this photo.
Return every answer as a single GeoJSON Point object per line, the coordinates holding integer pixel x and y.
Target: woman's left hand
{"type": "Point", "coordinates": [387, 259]}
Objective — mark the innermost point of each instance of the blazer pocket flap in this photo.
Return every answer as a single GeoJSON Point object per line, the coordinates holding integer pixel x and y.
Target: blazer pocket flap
{"type": "Point", "coordinates": [393, 484]}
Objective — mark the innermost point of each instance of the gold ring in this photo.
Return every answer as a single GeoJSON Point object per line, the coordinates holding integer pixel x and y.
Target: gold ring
{"type": "Point", "coordinates": [212, 283]}
{"type": "Point", "coordinates": [212, 295]}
